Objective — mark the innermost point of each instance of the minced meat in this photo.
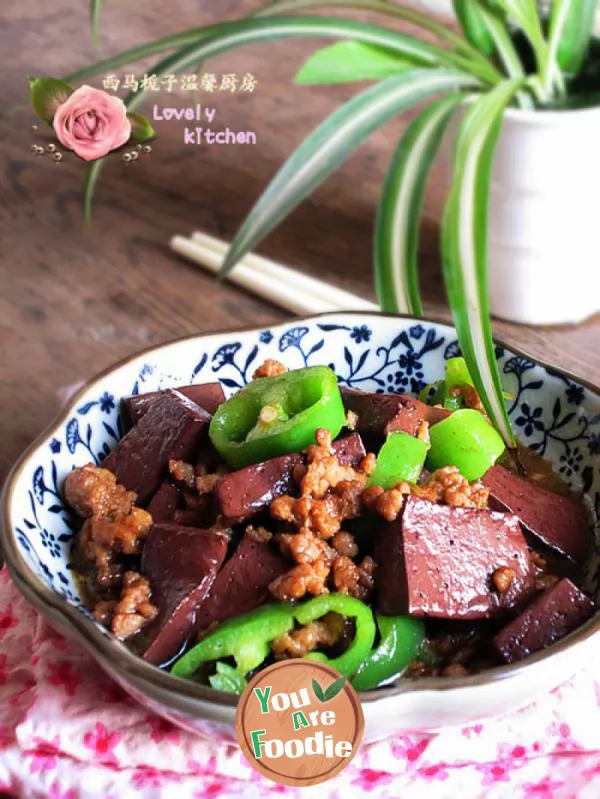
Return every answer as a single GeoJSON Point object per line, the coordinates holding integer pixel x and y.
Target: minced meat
{"type": "Point", "coordinates": [113, 527]}
{"type": "Point", "coordinates": [330, 493]}
{"type": "Point", "coordinates": [92, 491]}
{"type": "Point", "coordinates": [446, 485]}
{"type": "Point", "coordinates": [325, 632]}
{"type": "Point", "coordinates": [270, 368]}
{"type": "Point", "coordinates": [132, 611]}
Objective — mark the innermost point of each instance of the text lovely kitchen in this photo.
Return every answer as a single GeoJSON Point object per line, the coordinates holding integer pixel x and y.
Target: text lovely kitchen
{"type": "Point", "coordinates": [202, 134]}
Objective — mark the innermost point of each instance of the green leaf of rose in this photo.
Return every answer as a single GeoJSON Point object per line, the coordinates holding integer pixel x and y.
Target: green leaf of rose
{"type": "Point", "coordinates": [318, 691]}
{"type": "Point", "coordinates": [47, 94]}
{"type": "Point", "coordinates": [141, 129]}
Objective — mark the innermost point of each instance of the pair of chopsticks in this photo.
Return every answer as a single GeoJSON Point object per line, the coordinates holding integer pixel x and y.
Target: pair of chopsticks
{"type": "Point", "coordinates": [279, 284]}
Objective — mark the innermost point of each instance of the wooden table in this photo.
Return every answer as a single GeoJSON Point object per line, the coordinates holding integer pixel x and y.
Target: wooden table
{"type": "Point", "coordinates": [74, 301]}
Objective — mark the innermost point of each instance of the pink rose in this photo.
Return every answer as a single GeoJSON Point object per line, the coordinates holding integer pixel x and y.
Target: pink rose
{"type": "Point", "coordinates": [92, 123]}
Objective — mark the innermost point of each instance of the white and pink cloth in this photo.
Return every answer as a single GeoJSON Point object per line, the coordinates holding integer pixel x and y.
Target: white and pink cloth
{"type": "Point", "coordinates": [68, 732]}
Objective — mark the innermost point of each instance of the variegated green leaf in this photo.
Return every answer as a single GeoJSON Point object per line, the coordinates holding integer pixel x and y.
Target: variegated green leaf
{"type": "Point", "coordinates": [230, 36]}
{"type": "Point", "coordinates": [496, 24]}
{"type": "Point", "coordinates": [571, 30]}
{"type": "Point", "coordinates": [344, 62]}
{"type": "Point", "coordinates": [202, 43]}
{"type": "Point", "coordinates": [194, 35]}
{"type": "Point", "coordinates": [331, 143]}
{"type": "Point", "coordinates": [525, 13]}
{"type": "Point", "coordinates": [397, 226]}
{"type": "Point", "coordinates": [464, 246]}
{"type": "Point", "coordinates": [473, 24]}
{"type": "Point", "coordinates": [426, 22]}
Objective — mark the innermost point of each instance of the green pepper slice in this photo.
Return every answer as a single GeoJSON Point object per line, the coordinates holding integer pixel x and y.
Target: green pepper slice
{"type": "Point", "coordinates": [402, 457]}
{"type": "Point", "coordinates": [245, 638]}
{"type": "Point", "coordinates": [467, 440]}
{"type": "Point", "coordinates": [277, 415]}
{"type": "Point", "coordinates": [401, 639]}
{"type": "Point", "coordinates": [457, 376]}
{"type": "Point", "coordinates": [364, 635]}
{"type": "Point", "coordinates": [227, 679]}
{"type": "Point", "coordinates": [433, 393]}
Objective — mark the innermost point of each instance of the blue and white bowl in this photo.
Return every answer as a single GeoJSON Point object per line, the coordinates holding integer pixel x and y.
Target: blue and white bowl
{"type": "Point", "coordinates": [555, 414]}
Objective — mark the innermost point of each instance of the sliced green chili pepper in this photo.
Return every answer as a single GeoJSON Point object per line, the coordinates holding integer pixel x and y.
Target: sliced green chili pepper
{"type": "Point", "coordinates": [473, 26]}
{"type": "Point", "coordinates": [467, 440]}
{"type": "Point", "coordinates": [402, 457]}
{"type": "Point", "coordinates": [227, 679]}
{"type": "Point", "coordinates": [457, 376]}
{"type": "Point", "coordinates": [364, 635]}
{"type": "Point", "coordinates": [433, 394]}
{"type": "Point", "coordinates": [401, 639]}
{"type": "Point", "coordinates": [245, 637]}
{"type": "Point", "coordinates": [277, 415]}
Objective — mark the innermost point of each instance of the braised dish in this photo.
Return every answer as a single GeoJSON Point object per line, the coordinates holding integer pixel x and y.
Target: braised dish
{"type": "Point", "coordinates": [390, 535]}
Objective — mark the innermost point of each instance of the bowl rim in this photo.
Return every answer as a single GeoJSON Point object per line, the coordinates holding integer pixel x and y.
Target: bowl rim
{"type": "Point", "coordinates": [115, 656]}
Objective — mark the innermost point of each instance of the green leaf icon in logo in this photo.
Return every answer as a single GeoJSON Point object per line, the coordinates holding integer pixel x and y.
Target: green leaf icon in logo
{"type": "Point", "coordinates": [318, 691]}
{"type": "Point", "coordinates": [331, 692]}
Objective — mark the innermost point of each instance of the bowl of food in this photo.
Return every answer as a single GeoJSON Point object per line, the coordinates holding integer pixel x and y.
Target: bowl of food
{"type": "Point", "coordinates": [329, 488]}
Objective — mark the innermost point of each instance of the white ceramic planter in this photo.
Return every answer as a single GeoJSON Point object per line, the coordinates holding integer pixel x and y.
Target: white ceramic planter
{"type": "Point", "coordinates": [544, 219]}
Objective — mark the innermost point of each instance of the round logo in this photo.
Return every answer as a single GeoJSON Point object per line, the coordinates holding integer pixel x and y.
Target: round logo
{"type": "Point", "coordinates": [299, 722]}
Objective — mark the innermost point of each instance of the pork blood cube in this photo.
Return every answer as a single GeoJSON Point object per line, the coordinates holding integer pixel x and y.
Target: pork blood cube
{"type": "Point", "coordinates": [247, 491]}
{"type": "Point", "coordinates": [164, 503]}
{"type": "Point", "coordinates": [440, 561]}
{"type": "Point", "coordinates": [173, 427]}
{"type": "Point", "coordinates": [208, 395]}
{"type": "Point", "coordinates": [350, 450]}
{"type": "Point", "coordinates": [555, 613]}
{"type": "Point", "coordinates": [243, 582]}
{"type": "Point", "coordinates": [556, 521]}
{"type": "Point", "coordinates": [380, 414]}
{"type": "Point", "coordinates": [181, 564]}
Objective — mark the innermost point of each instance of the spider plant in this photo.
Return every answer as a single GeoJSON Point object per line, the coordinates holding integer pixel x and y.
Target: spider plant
{"type": "Point", "coordinates": [479, 70]}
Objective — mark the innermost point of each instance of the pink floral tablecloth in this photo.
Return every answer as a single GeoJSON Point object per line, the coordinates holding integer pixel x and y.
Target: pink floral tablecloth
{"type": "Point", "coordinates": [67, 731]}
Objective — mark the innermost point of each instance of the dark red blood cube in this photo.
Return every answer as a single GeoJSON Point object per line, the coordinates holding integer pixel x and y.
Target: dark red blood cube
{"type": "Point", "coordinates": [556, 521]}
{"type": "Point", "coordinates": [380, 414]}
{"type": "Point", "coordinates": [173, 427]}
{"type": "Point", "coordinates": [554, 614]}
{"type": "Point", "coordinates": [198, 510]}
{"type": "Point", "coordinates": [438, 561]}
{"type": "Point", "coordinates": [350, 450]}
{"type": "Point", "coordinates": [208, 395]}
{"type": "Point", "coordinates": [181, 564]}
{"type": "Point", "coordinates": [245, 492]}
{"type": "Point", "coordinates": [243, 582]}
{"type": "Point", "coordinates": [164, 503]}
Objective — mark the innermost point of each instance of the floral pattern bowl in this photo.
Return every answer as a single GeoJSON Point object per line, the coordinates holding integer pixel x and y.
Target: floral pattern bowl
{"type": "Point", "coordinates": [555, 414]}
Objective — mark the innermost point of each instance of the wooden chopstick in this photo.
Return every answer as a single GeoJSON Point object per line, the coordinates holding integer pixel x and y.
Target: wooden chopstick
{"type": "Point", "coordinates": [279, 284]}
{"type": "Point", "coordinates": [262, 285]}
{"type": "Point", "coordinates": [342, 299]}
